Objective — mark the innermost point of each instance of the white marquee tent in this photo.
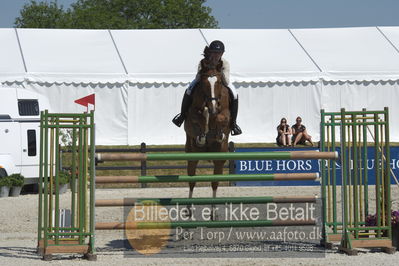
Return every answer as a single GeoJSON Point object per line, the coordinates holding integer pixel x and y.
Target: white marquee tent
{"type": "Point", "coordinates": [139, 76]}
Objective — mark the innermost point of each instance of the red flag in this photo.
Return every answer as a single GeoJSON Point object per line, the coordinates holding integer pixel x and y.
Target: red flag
{"type": "Point", "coordinates": [85, 101]}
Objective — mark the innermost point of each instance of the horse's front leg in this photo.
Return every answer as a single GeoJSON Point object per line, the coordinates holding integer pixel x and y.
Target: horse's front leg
{"type": "Point", "coordinates": [222, 128]}
{"type": "Point", "coordinates": [201, 138]}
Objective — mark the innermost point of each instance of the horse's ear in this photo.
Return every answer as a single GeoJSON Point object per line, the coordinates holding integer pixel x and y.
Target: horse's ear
{"type": "Point", "coordinates": [203, 65]}
{"type": "Point", "coordinates": [206, 52]}
{"type": "Point", "coordinates": [219, 66]}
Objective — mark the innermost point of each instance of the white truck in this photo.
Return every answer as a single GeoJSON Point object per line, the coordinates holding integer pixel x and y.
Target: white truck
{"type": "Point", "coordinates": [20, 132]}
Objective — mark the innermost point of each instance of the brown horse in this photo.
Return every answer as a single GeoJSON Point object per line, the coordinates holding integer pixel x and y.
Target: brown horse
{"type": "Point", "coordinates": [207, 123]}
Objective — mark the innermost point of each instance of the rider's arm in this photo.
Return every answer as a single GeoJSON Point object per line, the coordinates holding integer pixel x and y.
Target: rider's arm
{"type": "Point", "coordinates": [226, 71]}
{"type": "Point", "coordinates": [197, 77]}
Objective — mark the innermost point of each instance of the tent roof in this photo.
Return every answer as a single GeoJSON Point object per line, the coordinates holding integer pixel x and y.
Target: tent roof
{"type": "Point", "coordinates": [11, 62]}
{"type": "Point", "coordinates": [350, 53]}
{"type": "Point", "coordinates": [160, 55]}
{"type": "Point", "coordinates": [264, 55]}
{"type": "Point", "coordinates": [171, 56]}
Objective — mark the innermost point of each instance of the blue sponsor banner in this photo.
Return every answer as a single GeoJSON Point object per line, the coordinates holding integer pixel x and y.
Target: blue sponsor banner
{"type": "Point", "coordinates": [302, 166]}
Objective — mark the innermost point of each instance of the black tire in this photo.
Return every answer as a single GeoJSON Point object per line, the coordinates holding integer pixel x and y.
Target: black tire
{"type": "Point", "coordinates": [30, 189]}
{"type": "Point", "coordinates": [3, 172]}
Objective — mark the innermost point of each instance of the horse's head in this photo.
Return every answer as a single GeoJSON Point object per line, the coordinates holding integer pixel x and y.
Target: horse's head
{"type": "Point", "coordinates": [211, 85]}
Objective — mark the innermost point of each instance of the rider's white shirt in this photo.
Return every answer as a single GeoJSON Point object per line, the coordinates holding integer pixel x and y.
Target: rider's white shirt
{"type": "Point", "coordinates": [225, 76]}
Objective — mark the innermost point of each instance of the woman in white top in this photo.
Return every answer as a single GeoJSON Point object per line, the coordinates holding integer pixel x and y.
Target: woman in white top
{"type": "Point", "coordinates": [213, 53]}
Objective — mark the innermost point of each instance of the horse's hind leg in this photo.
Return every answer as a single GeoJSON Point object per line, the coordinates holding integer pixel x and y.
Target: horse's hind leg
{"type": "Point", "coordinates": [191, 167]}
{"type": "Point", "coordinates": [214, 189]}
{"type": "Point", "coordinates": [218, 170]}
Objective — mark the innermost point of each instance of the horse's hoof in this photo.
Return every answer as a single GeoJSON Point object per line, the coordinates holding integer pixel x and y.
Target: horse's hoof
{"type": "Point", "coordinates": [187, 212]}
{"type": "Point", "coordinates": [200, 141]}
{"type": "Point", "coordinates": [214, 215]}
{"type": "Point", "coordinates": [221, 137]}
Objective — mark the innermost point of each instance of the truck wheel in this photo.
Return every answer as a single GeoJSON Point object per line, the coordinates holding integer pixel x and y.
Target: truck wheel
{"type": "Point", "coordinates": [3, 172]}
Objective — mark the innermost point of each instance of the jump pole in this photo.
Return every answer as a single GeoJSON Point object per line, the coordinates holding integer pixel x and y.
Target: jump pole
{"type": "Point", "coordinates": [206, 178]}
{"type": "Point", "coordinates": [199, 201]}
{"type": "Point", "coordinates": [196, 224]}
{"type": "Point", "coordinates": [277, 155]}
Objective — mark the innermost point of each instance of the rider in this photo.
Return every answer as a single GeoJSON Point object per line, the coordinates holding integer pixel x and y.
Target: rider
{"type": "Point", "coordinates": [214, 53]}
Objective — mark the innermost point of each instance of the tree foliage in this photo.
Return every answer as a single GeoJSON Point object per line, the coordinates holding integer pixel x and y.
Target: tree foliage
{"type": "Point", "coordinates": [41, 15]}
{"type": "Point", "coordinates": [117, 14]}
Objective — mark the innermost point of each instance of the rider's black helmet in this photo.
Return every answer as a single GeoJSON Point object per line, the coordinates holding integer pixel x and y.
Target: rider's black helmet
{"type": "Point", "coordinates": [216, 46]}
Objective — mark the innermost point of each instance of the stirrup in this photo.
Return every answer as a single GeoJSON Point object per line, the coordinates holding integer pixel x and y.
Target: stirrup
{"type": "Point", "coordinates": [235, 130]}
{"type": "Point", "coordinates": [178, 120]}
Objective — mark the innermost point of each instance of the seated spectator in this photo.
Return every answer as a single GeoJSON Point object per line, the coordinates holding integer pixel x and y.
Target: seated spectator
{"type": "Point", "coordinates": [283, 133]}
{"type": "Point", "coordinates": [299, 133]}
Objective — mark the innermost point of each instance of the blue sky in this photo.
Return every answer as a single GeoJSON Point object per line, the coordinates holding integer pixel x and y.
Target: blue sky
{"type": "Point", "coordinates": [274, 13]}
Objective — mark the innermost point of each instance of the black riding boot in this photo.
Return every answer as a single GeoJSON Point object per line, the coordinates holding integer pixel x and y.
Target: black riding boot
{"type": "Point", "coordinates": [235, 129]}
{"type": "Point", "coordinates": [186, 103]}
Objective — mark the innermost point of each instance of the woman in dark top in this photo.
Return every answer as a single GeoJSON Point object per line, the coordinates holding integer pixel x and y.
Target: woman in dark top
{"type": "Point", "coordinates": [283, 133]}
{"type": "Point", "coordinates": [299, 133]}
